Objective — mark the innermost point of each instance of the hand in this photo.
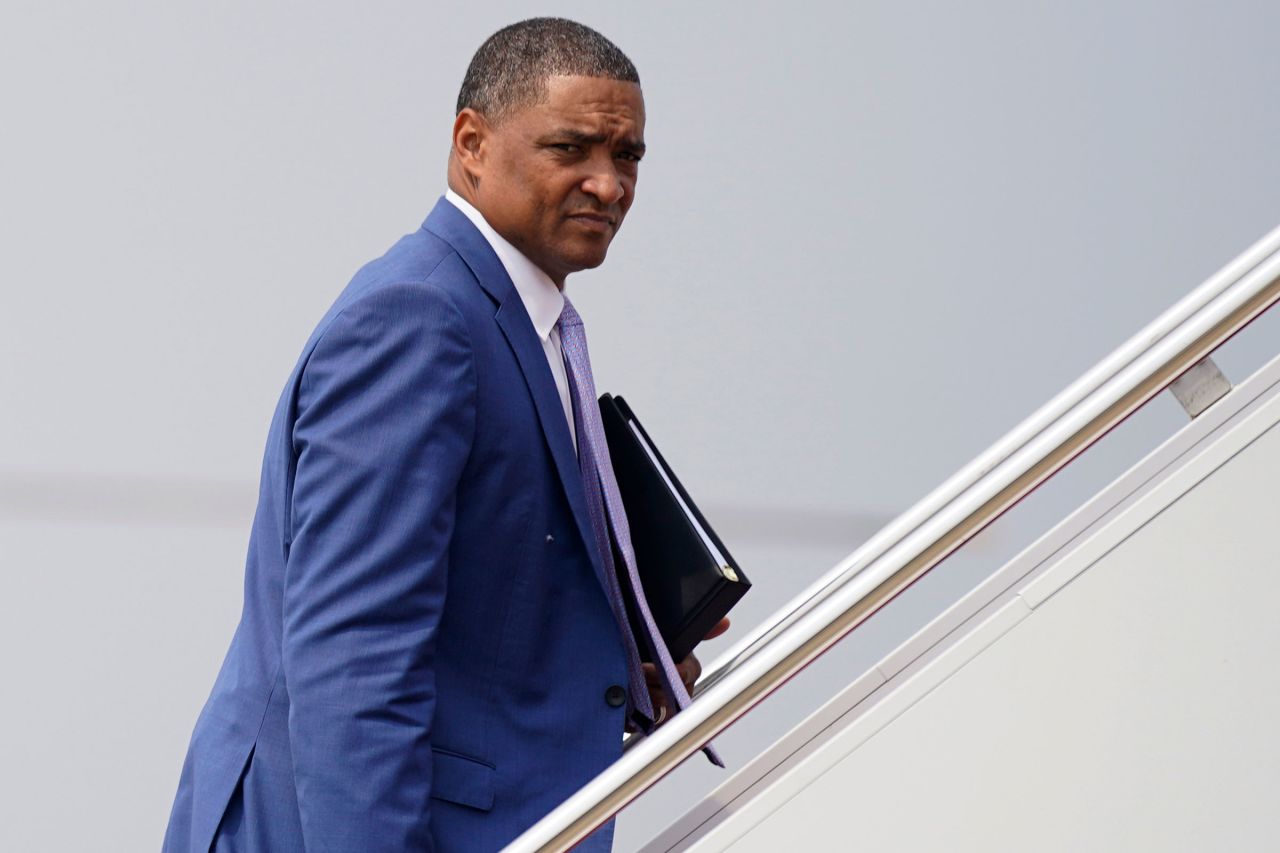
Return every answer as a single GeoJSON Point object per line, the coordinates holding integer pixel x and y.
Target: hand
{"type": "Point", "coordinates": [689, 670]}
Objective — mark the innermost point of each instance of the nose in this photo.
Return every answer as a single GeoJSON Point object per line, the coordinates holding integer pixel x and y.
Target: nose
{"type": "Point", "coordinates": [605, 184]}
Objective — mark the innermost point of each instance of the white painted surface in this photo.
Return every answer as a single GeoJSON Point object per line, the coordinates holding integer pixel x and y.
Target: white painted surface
{"type": "Point", "coordinates": [1130, 710]}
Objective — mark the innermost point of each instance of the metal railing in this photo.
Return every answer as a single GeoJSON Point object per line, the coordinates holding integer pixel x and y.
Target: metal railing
{"type": "Point", "coordinates": [924, 535]}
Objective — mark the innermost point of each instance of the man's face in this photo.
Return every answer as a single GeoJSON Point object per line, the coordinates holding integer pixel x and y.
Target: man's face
{"type": "Point", "coordinates": [555, 179]}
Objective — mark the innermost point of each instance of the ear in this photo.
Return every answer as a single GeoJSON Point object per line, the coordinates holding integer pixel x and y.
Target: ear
{"type": "Point", "coordinates": [471, 134]}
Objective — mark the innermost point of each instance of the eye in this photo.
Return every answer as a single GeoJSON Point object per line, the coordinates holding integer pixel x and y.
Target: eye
{"type": "Point", "coordinates": [565, 147]}
{"type": "Point", "coordinates": [629, 156]}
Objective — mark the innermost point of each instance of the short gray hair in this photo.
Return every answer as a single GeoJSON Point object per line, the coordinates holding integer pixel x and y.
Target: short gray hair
{"type": "Point", "coordinates": [512, 66]}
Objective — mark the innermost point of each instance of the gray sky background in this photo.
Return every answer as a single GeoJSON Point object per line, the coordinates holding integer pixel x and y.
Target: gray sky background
{"type": "Point", "coordinates": [869, 238]}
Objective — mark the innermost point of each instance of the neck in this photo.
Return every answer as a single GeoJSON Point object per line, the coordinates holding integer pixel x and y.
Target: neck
{"type": "Point", "coordinates": [466, 187]}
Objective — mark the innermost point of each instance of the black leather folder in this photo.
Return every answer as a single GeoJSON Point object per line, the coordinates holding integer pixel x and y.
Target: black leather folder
{"type": "Point", "coordinates": [689, 578]}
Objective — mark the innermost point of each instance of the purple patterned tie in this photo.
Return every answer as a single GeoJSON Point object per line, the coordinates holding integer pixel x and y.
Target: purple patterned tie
{"type": "Point", "coordinates": [604, 505]}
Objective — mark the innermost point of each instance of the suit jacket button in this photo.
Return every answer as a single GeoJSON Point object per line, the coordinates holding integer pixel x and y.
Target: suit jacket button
{"type": "Point", "coordinates": [615, 696]}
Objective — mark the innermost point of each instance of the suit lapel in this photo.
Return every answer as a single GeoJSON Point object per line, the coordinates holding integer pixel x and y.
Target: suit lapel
{"type": "Point", "coordinates": [452, 226]}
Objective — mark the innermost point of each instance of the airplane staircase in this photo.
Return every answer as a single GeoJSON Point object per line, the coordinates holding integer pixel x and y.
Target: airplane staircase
{"type": "Point", "coordinates": [1112, 687]}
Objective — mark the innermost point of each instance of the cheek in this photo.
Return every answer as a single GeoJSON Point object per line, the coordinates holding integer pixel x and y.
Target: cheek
{"type": "Point", "coordinates": [548, 195]}
{"type": "Point", "coordinates": [555, 201]}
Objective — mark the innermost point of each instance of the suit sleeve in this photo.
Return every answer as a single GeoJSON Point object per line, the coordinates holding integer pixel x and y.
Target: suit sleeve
{"type": "Point", "coordinates": [384, 424]}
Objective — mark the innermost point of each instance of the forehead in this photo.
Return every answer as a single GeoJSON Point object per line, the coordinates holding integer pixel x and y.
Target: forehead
{"type": "Point", "coordinates": [598, 103]}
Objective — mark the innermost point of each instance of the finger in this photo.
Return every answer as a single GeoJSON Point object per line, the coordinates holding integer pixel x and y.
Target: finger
{"type": "Point", "coordinates": [689, 668]}
{"type": "Point", "coordinates": [651, 676]}
{"type": "Point", "coordinates": [718, 629]}
{"type": "Point", "coordinates": [658, 698]}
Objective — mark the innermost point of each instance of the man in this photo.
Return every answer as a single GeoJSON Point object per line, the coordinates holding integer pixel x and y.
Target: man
{"type": "Point", "coordinates": [431, 654]}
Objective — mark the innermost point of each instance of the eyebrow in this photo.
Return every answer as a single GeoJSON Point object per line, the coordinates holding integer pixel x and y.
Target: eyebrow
{"type": "Point", "coordinates": [581, 138]}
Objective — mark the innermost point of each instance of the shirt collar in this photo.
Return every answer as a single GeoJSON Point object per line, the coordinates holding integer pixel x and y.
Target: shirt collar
{"type": "Point", "coordinates": [542, 299]}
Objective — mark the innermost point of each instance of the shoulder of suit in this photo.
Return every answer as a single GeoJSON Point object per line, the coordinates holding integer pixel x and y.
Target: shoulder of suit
{"type": "Point", "coordinates": [417, 258]}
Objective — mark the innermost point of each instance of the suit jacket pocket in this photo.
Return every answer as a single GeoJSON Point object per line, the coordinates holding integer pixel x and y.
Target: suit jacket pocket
{"type": "Point", "coordinates": [460, 779]}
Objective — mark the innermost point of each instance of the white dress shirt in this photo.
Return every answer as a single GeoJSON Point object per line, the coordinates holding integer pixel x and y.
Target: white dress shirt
{"type": "Point", "coordinates": [542, 300]}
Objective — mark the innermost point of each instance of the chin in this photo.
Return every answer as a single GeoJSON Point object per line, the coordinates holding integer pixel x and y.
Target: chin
{"type": "Point", "coordinates": [587, 260]}
{"type": "Point", "coordinates": [593, 255]}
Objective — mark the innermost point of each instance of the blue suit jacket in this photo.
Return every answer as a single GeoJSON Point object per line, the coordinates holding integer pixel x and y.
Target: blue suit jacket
{"type": "Point", "coordinates": [426, 644]}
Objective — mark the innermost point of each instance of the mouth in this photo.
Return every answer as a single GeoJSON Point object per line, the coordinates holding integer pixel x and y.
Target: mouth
{"type": "Point", "coordinates": [594, 221]}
